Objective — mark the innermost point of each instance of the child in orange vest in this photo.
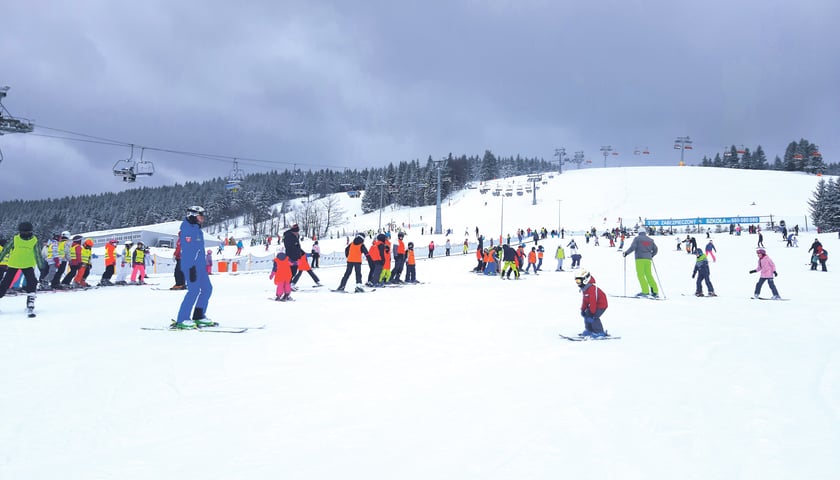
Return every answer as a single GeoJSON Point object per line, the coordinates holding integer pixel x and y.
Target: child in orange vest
{"type": "Point", "coordinates": [532, 261]}
{"type": "Point", "coordinates": [410, 265]}
{"type": "Point", "coordinates": [281, 273]}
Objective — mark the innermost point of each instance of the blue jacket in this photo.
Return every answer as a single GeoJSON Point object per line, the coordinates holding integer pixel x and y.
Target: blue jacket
{"type": "Point", "coordinates": [192, 246]}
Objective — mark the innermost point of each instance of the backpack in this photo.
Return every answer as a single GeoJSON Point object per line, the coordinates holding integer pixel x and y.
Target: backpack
{"type": "Point", "coordinates": [823, 255]}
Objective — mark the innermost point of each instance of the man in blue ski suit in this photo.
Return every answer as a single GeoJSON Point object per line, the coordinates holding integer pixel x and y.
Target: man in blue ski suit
{"type": "Point", "coordinates": [199, 288]}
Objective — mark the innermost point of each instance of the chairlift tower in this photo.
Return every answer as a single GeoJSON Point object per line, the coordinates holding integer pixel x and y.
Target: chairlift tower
{"type": "Point", "coordinates": [579, 158]}
{"type": "Point", "coordinates": [438, 223]}
{"type": "Point", "coordinates": [534, 179]}
{"type": "Point", "coordinates": [605, 150]}
{"type": "Point", "coordinates": [10, 124]}
{"type": "Point", "coordinates": [560, 153]}
{"type": "Point", "coordinates": [682, 144]}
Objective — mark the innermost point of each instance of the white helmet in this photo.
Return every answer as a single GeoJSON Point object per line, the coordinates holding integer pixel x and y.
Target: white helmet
{"type": "Point", "coordinates": [582, 278]}
{"type": "Point", "coordinates": [195, 211]}
{"type": "Point", "coordinates": [65, 234]}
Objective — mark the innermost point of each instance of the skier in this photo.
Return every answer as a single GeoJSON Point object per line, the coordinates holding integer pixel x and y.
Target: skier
{"type": "Point", "coordinates": [138, 265]}
{"type": "Point", "coordinates": [767, 271]}
{"type": "Point", "coordinates": [110, 262]}
{"type": "Point", "coordinates": [303, 266]}
{"type": "Point", "coordinates": [399, 259]}
{"type": "Point", "coordinates": [532, 261]}
{"type": "Point", "coordinates": [701, 271]}
{"type": "Point", "coordinates": [125, 264]}
{"type": "Point", "coordinates": [316, 254]}
{"type": "Point", "coordinates": [645, 249]}
{"type": "Point", "coordinates": [199, 288]}
{"type": "Point", "coordinates": [23, 254]}
{"type": "Point", "coordinates": [710, 250]}
{"type": "Point", "coordinates": [511, 264]}
{"type": "Point", "coordinates": [84, 269]}
{"type": "Point", "coordinates": [560, 256]}
{"type": "Point", "coordinates": [593, 306]}
{"type": "Point", "coordinates": [180, 280]}
{"type": "Point", "coordinates": [60, 259]}
{"type": "Point", "coordinates": [354, 252]}
{"type": "Point", "coordinates": [410, 265]}
{"type": "Point", "coordinates": [281, 273]}
{"type": "Point", "coordinates": [75, 256]}
{"type": "Point", "coordinates": [291, 242]}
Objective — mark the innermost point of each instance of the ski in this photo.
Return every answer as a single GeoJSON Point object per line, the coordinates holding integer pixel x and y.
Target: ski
{"type": "Point", "coordinates": [203, 329]}
{"type": "Point", "coordinates": [344, 291]}
{"type": "Point", "coordinates": [588, 339]}
{"type": "Point", "coordinates": [648, 297]}
{"type": "Point", "coordinates": [274, 299]}
{"type": "Point", "coordinates": [774, 299]}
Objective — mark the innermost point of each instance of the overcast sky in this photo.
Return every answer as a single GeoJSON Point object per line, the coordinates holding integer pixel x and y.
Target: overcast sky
{"type": "Point", "coordinates": [333, 84]}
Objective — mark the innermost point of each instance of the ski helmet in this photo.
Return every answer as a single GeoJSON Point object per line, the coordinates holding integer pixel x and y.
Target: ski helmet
{"type": "Point", "coordinates": [582, 278]}
{"type": "Point", "coordinates": [195, 211]}
{"type": "Point", "coordinates": [65, 234]}
{"type": "Point", "coordinates": [761, 251]}
{"type": "Point", "coordinates": [25, 227]}
{"type": "Point", "coordinates": [89, 242]}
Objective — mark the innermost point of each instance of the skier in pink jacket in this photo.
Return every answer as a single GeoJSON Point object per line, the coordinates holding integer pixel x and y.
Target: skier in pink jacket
{"type": "Point", "coordinates": [767, 271]}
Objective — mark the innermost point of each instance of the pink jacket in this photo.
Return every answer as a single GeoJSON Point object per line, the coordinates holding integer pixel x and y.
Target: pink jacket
{"type": "Point", "coordinates": [766, 267]}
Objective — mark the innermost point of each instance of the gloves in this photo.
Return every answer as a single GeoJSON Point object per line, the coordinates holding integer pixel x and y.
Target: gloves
{"type": "Point", "coordinates": [693, 274]}
{"type": "Point", "coordinates": [753, 271]}
{"type": "Point", "coordinates": [775, 274]}
{"type": "Point", "coordinates": [193, 274]}
{"type": "Point", "coordinates": [271, 276]}
{"type": "Point", "coordinates": [624, 254]}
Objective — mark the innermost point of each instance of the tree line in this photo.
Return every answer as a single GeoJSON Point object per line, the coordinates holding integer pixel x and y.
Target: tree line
{"type": "Point", "coordinates": [801, 156]}
{"type": "Point", "coordinates": [409, 183]}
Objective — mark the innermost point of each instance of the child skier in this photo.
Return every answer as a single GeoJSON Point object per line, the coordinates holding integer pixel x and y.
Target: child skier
{"type": "Point", "coordinates": [701, 271]}
{"type": "Point", "coordinates": [560, 256]}
{"type": "Point", "coordinates": [532, 261]}
{"type": "Point", "coordinates": [138, 265]}
{"type": "Point", "coordinates": [23, 254]}
{"type": "Point", "coordinates": [281, 273]}
{"type": "Point", "coordinates": [410, 265]}
{"type": "Point", "coordinates": [594, 305]}
{"type": "Point", "coordinates": [767, 270]}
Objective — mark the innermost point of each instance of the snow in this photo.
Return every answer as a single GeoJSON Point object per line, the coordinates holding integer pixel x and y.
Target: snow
{"type": "Point", "coordinates": [461, 377]}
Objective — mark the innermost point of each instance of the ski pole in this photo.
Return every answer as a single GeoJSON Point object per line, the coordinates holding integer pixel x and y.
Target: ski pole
{"type": "Point", "coordinates": [658, 281]}
{"type": "Point", "coordinates": [625, 275]}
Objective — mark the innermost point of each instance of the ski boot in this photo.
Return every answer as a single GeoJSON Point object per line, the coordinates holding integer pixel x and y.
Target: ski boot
{"type": "Point", "coordinates": [700, 294]}
{"type": "Point", "coordinates": [712, 294]}
{"type": "Point", "coordinates": [359, 288]}
{"type": "Point", "coordinates": [30, 305]}
{"type": "Point", "coordinates": [183, 325]}
{"type": "Point", "coordinates": [201, 321]}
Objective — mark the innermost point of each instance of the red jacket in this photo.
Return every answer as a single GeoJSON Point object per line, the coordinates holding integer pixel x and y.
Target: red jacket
{"type": "Point", "coordinates": [593, 298]}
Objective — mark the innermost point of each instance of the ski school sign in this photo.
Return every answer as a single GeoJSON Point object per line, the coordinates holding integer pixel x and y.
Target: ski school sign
{"type": "Point", "coordinates": [668, 222]}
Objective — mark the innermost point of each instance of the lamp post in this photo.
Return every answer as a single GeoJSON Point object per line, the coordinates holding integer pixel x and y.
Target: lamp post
{"type": "Point", "coordinates": [381, 184]}
{"type": "Point", "coordinates": [558, 216]}
{"type": "Point", "coordinates": [502, 221]}
{"type": "Point", "coordinates": [606, 151]}
{"type": "Point", "coordinates": [682, 144]}
{"type": "Point", "coordinates": [560, 153]}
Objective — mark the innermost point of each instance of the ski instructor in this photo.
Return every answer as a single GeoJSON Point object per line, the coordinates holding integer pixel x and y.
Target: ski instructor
{"type": "Point", "coordinates": [645, 249]}
{"type": "Point", "coordinates": [199, 289]}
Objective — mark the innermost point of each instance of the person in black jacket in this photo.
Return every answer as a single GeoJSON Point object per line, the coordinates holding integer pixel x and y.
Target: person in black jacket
{"type": "Point", "coordinates": [291, 242]}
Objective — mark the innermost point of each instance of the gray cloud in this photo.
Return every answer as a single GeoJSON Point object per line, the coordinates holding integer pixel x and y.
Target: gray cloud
{"type": "Point", "coordinates": [366, 83]}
